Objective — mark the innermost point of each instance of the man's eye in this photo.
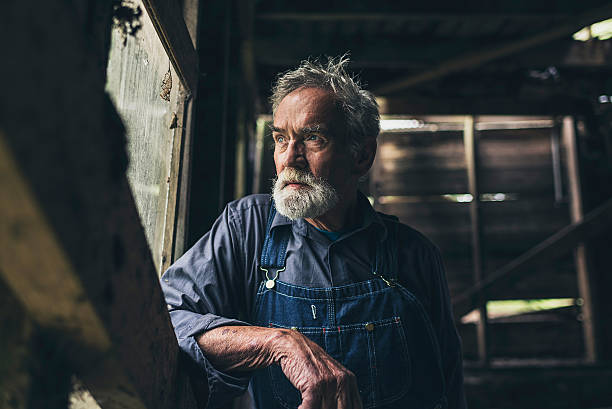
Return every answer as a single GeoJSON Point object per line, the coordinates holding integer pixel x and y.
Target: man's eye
{"type": "Point", "coordinates": [313, 137]}
{"type": "Point", "coordinates": [280, 139]}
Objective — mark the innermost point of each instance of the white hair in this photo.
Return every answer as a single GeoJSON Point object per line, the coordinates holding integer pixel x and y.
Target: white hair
{"type": "Point", "coordinates": [312, 200]}
{"type": "Point", "coordinates": [358, 106]}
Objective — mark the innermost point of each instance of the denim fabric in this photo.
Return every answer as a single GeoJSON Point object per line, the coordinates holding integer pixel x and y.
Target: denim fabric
{"type": "Point", "coordinates": [375, 328]}
{"type": "Point", "coordinates": [216, 282]}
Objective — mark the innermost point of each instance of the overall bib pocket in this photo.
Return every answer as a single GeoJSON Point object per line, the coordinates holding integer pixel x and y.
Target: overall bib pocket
{"type": "Point", "coordinates": [384, 374]}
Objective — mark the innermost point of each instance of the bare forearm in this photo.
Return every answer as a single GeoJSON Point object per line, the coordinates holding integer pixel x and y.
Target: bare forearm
{"type": "Point", "coordinates": [239, 348]}
{"type": "Point", "coordinates": [323, 382]}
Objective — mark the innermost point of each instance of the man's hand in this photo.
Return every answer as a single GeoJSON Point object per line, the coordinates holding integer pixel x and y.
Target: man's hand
{"type": "Point", "coordinates": [323, 382]}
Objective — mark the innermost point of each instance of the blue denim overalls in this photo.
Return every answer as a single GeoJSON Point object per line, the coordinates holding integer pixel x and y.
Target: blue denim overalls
{"type": "Point", "coordinates": [376, 328]}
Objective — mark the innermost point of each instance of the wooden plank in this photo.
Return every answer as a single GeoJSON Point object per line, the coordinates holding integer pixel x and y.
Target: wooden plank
{"type": "Point", "coordinates": [401, 17]}
{"type": "Point", "coordinates": [576, 212]}
{"type": "Point", "coordinates": [495, 155]}
{"type": "Point", "coordinates": [104, 348]}
{"type": "Point", "coordinates": [553, 280]}
{"type": "Point", "coordinates": [174, 180]}
{"type": "Point", "coordinates": [593, 223]}
{"type": "Point", "coordinates": [181, 230]}
{"type": "Point", "coordinates": [470, 142]}
{"type": "Point", "coordinates": [16, 372]}
{"type": "Point", "coordinates": [416, 105]}
{"type": "Point", "coordinates": [541, 339]}
{"type": "Point", "coordinates": [48, 285]}
{"type": "Point", "coordinates": [73, 248]}
{"type": "Point", "coordinates": [454, 181]}
{"type": "Point", "coordinates": [191, 15]}
{"type": "Point", "coordinates": [525, 386]}
{"type": "Point", "coordinates": [167, 18]}
{"type": "Point", "coordinates": [420, 183]}
{"type": "Point", "coordinates": [431, 217]}
{"type": "Point", "coordinates": [516, 149]}
{"type": "Point", "coordinates": [177, 212]}
{"type": "Point", "coordinates": [475, 59]}
{"type": "Point", "coordinates": [510, 228]}
{"type": "Point", "coordinates": [31, 279]}
{"type": "Point", "coordinates": [421, 163]}
{"type": "Point", "coordinates": [406, 151]}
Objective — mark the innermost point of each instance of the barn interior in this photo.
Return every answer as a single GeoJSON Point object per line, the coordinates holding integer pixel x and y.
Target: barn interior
{"type": "Point", "coordinates": [127, 126]}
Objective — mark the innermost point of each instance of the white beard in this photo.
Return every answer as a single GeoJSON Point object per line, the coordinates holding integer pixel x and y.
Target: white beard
{"type": "Point", "coordinates": [314, 199]}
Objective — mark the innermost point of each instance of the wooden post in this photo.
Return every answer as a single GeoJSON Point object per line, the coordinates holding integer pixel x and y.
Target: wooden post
{"type": "Point", "coordinates": [580, 253]}
{"type": "Point", "coordinates": [73, 251]}
{"type": "Point", "coordinates": [470, 141]}
{"type": "Point", "coordinates": [185, 137]}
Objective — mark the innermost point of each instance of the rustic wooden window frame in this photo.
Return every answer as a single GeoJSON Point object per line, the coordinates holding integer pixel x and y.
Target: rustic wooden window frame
{"type": "Point", "coordinates": [179, 41]}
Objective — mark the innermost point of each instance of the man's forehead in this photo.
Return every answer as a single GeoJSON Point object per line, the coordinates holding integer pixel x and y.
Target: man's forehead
{"type": "Point", "coordinates": [306, 106]}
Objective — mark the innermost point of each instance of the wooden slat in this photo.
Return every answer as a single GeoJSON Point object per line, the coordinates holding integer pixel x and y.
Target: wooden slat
{"type": "Point", "coordinates": [529, 215]}
{"type": "Point", "coordinates": [443, 181]}
{"type": "Point", "coordinates": [402, 17]}
{"type": "Point", "coordinates": [576, 213]}
{"type": "Point", "coordinates": [176, 177]}
{"type": "Point", "coordinates": [470, 142]}
{"type": "Point", "coordinates": [191, 11]}
{"type": "Point", "coordinates": [553, 339]}
{"type": "Point", "coordinates": [551, 248]}
{"type": "Point", "coordinates": [557, 280]}
{"type": "Point", "coordinates": [412, 105]}
{"type": "Point", "coordinates": [516, 149]}
{"type": "Point", "coordinates": [420, 183]}
{"type": "Point", "coordinates": [475, 59]}
{"type": "Point", "coordinates": [433, 163]}
{"type": "Point", "coordinates": [560, 387]}
{"type": "Point", "coordinates": [167, 18]}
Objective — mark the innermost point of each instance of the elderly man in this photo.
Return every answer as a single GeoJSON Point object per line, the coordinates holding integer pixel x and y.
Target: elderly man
{"type": "Point", "coordinates": [314, 298]}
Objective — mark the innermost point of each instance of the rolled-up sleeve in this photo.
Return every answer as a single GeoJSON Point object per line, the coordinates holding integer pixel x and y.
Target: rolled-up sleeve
{"type": "Point", "coordinates": [202, 292]}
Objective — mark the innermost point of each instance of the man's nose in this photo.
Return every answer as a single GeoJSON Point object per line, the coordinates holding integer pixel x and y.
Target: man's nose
{"type": "Point", "coordinates": [295, 155]}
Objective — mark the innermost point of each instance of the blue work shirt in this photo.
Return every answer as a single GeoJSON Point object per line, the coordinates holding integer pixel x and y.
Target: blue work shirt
{"type": "Point", "coordinates": [215, 283]}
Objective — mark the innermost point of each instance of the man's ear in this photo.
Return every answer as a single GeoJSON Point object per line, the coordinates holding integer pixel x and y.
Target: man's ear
{"type": "Point", "coordinates": [365, 158]}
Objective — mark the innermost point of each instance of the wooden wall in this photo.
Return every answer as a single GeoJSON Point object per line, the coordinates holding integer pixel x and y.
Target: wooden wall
{"type": "Point", "coordinates": [416, 174]}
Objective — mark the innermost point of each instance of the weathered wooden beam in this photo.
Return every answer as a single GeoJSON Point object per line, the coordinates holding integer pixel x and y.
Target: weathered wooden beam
{"type": "Point", "coordinates": [180, 171]}
{"type": "Point", "coordinates": [167, 18]}
{"type": "Point", "coordinates": [481, 106]}
{"type": "Point", "coordinates": [378, 51]}
{"type": "Point", "coordinates": [470, 146]}
{"type": "Point", "coordinates": [477, 58]}
{"type": "Point", "coordinates": [593, 223]}
{"type": "Point", "coordinates": [72, 246]}
{"type": "Point", "coordinates": [580, 253]}
{"type": "Point", "coordinates": [404, 17]}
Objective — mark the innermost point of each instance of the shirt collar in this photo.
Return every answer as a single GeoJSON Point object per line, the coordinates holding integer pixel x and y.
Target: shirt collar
{"type": "Point", "coordinates": [369, 219]}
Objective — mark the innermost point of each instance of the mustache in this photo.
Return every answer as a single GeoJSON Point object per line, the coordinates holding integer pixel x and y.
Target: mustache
{"type": "Point", "coordinates": [292, 175]}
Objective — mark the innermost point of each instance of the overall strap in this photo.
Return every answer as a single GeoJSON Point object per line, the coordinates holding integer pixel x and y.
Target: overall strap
{"type": "Point", "coordinates": [274, 249]}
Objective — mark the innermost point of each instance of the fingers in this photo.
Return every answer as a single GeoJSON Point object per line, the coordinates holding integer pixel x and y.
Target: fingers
{"type": "Point", "coordinates": [323, 382]}
{"type": "Point", "coordinates": [347, 392]}
{"type": "Point", "coordinates": [309, 402]}
{"type": "Point", "coordinates": [339, 391]}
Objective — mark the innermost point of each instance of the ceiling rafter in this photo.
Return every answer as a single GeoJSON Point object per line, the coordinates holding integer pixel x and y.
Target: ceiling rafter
{"type": "Point", "coordinates": [474, 59]}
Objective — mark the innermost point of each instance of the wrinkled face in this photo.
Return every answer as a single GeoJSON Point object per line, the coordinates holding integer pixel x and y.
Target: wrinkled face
{"type": "Point", "coordinates": [313, 164]}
